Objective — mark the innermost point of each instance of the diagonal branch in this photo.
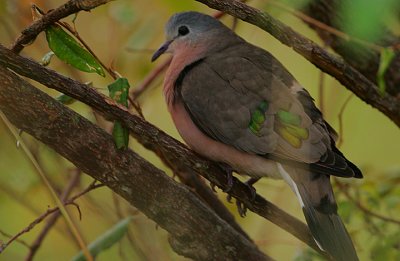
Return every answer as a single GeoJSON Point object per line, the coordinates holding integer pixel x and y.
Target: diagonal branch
{"type": "Point", "coordinates": [171, 150]}
{"type": "Point", "coordinates": [330, 64]}
{"type": "Point", "coordinates": [194, 228]}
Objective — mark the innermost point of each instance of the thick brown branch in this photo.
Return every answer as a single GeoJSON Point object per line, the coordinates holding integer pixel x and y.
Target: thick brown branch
{"type": "Point", "coordinates": [73, 6]}
{"type": "Point", "coordinates": [156, 140]}
{"type": "Point", "coordinates": [332, 65]}
{"type": "Point", "coordinates": [194, 228]}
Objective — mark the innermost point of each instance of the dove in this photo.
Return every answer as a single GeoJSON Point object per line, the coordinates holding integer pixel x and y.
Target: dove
{"type": "Point", "coordinates": [234, 103]}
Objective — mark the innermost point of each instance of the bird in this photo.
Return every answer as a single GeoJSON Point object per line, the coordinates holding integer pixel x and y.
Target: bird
{"type": "Point", "coordinates": [234, 103]}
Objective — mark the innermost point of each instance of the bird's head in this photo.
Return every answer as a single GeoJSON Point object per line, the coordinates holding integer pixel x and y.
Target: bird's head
{"type": "Point", "coordinates": [192, 30]}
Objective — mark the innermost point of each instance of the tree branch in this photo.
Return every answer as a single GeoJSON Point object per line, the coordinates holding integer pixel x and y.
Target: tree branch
{"type": "Point", "coordinates": [171, 150]}
{"type": "Point", "coordinates": [71, 7]}
{"type": "Point", "coordinates": [193, 227]}
{"type": "Point", "coordinates": [330, 64]}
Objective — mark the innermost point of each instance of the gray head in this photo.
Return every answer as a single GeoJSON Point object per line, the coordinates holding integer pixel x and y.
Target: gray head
{"type": "Point", "coordinates": [191, 28]}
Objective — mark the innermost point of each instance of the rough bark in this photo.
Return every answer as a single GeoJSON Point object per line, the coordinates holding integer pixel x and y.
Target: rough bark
{"type": "Point", "coordinates": [194, 227]}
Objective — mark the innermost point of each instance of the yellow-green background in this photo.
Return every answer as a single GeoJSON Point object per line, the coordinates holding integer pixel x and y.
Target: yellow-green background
{"type": "Point", "coordinates": [124, 32]}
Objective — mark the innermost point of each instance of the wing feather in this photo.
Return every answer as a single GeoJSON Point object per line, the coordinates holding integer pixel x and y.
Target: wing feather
{"type": "Point", "coordinates": [223, 92]}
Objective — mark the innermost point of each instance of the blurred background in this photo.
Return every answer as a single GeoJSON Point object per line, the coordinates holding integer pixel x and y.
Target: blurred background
{"type": "Point", "coordinates": [123, 34]}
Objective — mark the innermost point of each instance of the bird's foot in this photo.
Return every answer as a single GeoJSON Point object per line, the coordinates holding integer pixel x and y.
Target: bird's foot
{"type": "Point", "coordinates": [249, 183]}
{"type": "Point", "coordinates": [229, 182]}
{"type": "Point", "coordinates": [242, 209]}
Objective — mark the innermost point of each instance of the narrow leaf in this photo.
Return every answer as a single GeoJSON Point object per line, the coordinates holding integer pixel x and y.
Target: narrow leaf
{"type": "Point", "coordinates": [120, 135]}
{"type": "Point", "coordinates": [119, 91]}
{"type": "Point", "coordinates": [106, 240]}
{"type": "Point", "coordinates": [65, 99]}
{"type": "Point", "coordinates": [70, 51]}
{"type": "Point", "coordinates": [387, 55]}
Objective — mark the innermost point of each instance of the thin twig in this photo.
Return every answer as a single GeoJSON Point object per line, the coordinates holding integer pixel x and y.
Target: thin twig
{"type": "Point", "coordinates": [53, 193]}
{"type": "Point", "coordinates": [321, 92]}
{"type": "Point", "coordinates": [50, 223]}
{"type": "Point", "coordinates": [135, 93]}
{"type": "Point", "coordinates": [49, 211]}
{"type": "Point", "coordinates": [110, 71]}
{"type": "Point", "coordinates": [22, 242]}
{"type": "Point", "coordinates": [7, 27]}
{"type": "Point", "coordinates": [364, 209]}
{"type": "Point", "coordinates": [340, 116]}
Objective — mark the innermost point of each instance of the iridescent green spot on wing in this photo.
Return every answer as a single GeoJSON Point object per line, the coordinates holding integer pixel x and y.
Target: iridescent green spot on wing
{"type": "Point", "coordinates": [288, 127]}
{"type": "Point", "coordinates": [258, 117]}
{"type": "Point", "coordinates": [286, 117]}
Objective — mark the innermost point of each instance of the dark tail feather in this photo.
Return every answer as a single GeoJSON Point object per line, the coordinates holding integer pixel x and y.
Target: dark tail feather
{"type": "Point", "coordinates": [320, 210]}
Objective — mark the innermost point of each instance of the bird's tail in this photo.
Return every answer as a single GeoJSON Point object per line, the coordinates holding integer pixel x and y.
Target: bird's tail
{"type": "Point", "coordinates": [315, 195]}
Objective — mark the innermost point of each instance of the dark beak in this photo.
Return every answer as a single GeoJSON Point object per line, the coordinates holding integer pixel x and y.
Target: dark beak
{"type": "Point", "coordinates": [161, 50]}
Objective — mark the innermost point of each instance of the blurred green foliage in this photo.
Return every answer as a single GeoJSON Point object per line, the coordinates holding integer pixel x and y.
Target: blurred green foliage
{"type": "Point", "coordinates": [124, 33]}
{"type": "Point", "coordinates": [365, 19]}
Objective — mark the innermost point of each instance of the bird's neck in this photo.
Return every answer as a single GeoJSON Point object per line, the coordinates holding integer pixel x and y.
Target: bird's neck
{"type": "Point", "coordinates": [184, 56]}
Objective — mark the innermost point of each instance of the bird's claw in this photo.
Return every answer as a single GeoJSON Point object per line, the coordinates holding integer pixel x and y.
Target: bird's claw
{"type": "Point", "coordinates": [229, 182]}
{"type": "Point", "coordinates": [239, 204]}
{"type": "Point", "coordinates": [242, 209]}
{"type": "Point", "coordinates": [249, 183]}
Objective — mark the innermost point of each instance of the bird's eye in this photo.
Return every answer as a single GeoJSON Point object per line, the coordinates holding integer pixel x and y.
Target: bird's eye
{"type": "Point", "coordinates": [183, 30]}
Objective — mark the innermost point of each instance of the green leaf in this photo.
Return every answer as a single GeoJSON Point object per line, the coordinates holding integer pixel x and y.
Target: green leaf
{"type": "Point", "coordinates": [387, 55]}
{"type": "Point", "coordinates": [120, 135]}
{"type": "Point", "coordinates": [106, 240]}
{"type": "Point", "coordinates": [119, 91]}
{"type": "Point", "coordinates": [65, 99]}
{"type": "Point", "coordinates": [70, 51]}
